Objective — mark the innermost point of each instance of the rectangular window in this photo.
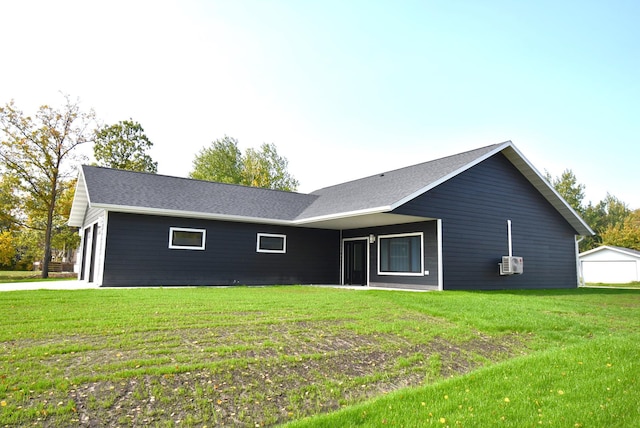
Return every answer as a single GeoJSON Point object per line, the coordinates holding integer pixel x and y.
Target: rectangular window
{"type": "Point", "coordinates": [271, 243]}
{"type": "Point", "coordinates": [401, 254]}
{"type": "Point", "coordinates": [187, 239]}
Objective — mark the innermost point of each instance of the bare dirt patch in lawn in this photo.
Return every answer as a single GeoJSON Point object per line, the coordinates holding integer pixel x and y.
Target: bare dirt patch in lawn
{"type": "Point", "coordinates": [250, 374]}
{"type": "Point", "coordinates": [263, 386]}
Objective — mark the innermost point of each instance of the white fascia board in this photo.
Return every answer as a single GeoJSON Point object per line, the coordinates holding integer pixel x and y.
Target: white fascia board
{"type": "Point", "coordinates": [593, 250]}
{"type": "Point", "coordinates": [189, 214]}
{"type": "Point", "coordinates": [80, 202]}
{"type": "Point", "coordinates": [628, 253]}
{"type": "Point", "coordinates": [607, 247]}
{"type": "Point", "coordinates": [548, 186]}
{"type": "Point", "coordinates": [450, 176]}
{"type": "Point", "coordinates": [336, 216]}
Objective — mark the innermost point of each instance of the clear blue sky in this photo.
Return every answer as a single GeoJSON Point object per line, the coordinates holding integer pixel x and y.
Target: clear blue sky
{"type": "Point", "coordinates": [344, 88]}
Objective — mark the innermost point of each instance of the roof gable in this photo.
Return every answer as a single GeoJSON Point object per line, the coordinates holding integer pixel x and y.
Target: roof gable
{"type": "Point", "coordinates": [387, 190]}
{"type": "Point", "coordinates": [621, 250]}
{"type": "Point", "coordinates": [550, 194]}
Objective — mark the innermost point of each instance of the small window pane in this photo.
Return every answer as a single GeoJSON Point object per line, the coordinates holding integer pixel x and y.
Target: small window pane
{"type": "Point", "coordinates": [187, 239]}
{"type": "Point", "coordinates": [269, 243]}
{"type": "Point", "coordinates": [193, 239]}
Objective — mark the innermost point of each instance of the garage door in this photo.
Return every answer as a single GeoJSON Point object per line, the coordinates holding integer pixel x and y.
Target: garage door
{"type": "Point", "coordinates": [612, 272]}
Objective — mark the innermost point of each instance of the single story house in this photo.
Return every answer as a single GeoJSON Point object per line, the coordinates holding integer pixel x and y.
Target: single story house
{"type": "Point", "coordinates": [611, 265]}
{"type": "Point", "coordinates": [482, 219]}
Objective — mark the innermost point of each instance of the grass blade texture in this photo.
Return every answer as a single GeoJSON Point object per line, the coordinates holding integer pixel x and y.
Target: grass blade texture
{"type": "Point", "coordinates": [313, 356]}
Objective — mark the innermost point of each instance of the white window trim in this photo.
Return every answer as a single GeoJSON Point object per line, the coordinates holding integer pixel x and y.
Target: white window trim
{"type": "Point", "coordinates": [187, 247]}
{"type": "Point", "coordinates": [271, 235]}
{"type": "Point", "coordinates": [85, 251]}
{"type": "Point", "coordinates": [103, 222]}
{"type": "Point", "coordinates": [402, 235]}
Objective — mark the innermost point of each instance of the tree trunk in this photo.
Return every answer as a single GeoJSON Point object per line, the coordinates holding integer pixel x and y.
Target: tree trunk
{"type": "Point", "coordinates": [47, 234]}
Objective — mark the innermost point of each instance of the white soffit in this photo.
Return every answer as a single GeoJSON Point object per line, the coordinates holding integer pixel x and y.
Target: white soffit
{"type": "Point", "coordinates": [366, 220]}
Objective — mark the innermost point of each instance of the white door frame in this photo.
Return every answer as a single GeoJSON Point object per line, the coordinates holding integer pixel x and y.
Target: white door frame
{"type": "Point", "coordinates": [367, 257]}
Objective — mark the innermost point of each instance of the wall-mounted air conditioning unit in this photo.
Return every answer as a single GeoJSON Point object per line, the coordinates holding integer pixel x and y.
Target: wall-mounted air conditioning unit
{"type": "Point", "coordinates": [511, 265]}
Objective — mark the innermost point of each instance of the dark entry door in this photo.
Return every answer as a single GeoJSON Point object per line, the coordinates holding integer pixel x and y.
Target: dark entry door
{"type": "Point", "coordinates": [355, 262]}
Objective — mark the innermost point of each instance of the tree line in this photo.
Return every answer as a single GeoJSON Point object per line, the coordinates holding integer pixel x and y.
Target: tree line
{"type": "Point", "coordinates": [39, 155]}
{"type": "Point", "coordinates": [611, 219]}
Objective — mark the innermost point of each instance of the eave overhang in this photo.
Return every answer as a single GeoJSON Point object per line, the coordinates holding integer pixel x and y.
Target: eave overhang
{"type": "Point", "coordinates": [359, 219]}
{"type": "Point", "coordinates": [365, 218]}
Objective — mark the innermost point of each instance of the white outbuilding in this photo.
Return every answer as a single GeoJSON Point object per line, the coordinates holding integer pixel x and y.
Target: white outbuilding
{"type": "Point", "coordinates": [610, 265]}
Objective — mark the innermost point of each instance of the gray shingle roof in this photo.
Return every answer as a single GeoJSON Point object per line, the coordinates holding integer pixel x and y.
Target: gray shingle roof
{"type": "Point", "coordinates": [117, 188]}
{"type": "Point", "coordinates": [389, 188]}
{"type": "Point", "coordinates": [375, 195]}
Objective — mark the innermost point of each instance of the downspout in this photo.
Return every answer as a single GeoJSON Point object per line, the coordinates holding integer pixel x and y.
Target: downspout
{"type": "Point", "coordinates": [580, 279]}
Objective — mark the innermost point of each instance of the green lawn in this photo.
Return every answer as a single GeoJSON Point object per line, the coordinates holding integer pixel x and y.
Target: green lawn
{"type": "Point", "coordinates": [8, 276]}
{"type": "Point", "coordinates": [260, 356]}
{"type": "Point", "coordinates": [627, 285]}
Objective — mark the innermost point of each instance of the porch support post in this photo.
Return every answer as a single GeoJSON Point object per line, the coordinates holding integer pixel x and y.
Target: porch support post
{"type": "Point", "coordinates": [440, 262]}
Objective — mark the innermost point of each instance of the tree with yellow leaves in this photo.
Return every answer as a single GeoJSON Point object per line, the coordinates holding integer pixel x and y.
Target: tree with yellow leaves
{"type": "Point", "coordinates": [7, 248]}
{"type": "Point", "coordinates": [36, 152]}
{"type": "Point", "coordinates": [625, 234]}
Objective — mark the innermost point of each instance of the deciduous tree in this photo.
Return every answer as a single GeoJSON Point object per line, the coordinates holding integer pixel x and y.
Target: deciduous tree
{"type": "Point", "coordinates": [221, 162]}
{"type": "Point", "coordinates": [124, 145]}
{"type": "Point", "coordinates": [608, 214]}
{"type": "Point", "coordinates": [266, 168]}
{"type": "Point", "coordinates": [23, 222]}
{"type": "Point", "coordinates": [7, 248]}
{"type": "Point", "coordinates": [37, 151]}
{"type": "Point", "coordinates": [224, 162]}
{"type": "Point", "coordinates": [568, 187]}
{"type": "Point", "coordinates": [9, 202]}
{"type": "Point", "coordinates": [624, 234]}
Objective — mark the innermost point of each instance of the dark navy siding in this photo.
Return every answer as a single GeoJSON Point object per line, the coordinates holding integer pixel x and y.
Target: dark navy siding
{"type": "Point", "coordinates": [137, 253]}
{"type": "Point", "coordinates": [474, 207]}
{"type": "Point", "coordinates": [430, 245]}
